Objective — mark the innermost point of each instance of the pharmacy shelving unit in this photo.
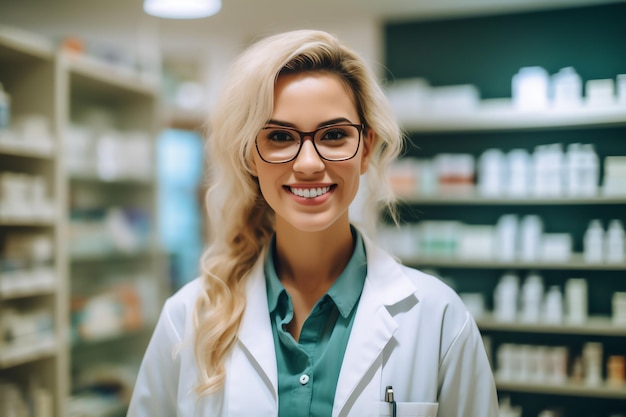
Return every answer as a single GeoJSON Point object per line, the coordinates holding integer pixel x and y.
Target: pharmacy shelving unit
{"type": "Point", "coordinates": [491, 128]}
{"type": "Point", "coordinates": [97, 356]}
{"type": "Point", "coordinates": [28, 73]}
{"type": "Point", "coordinates": [487, 50]}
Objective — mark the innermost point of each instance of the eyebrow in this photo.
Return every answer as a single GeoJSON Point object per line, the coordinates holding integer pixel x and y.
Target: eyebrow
{"type": "Point", "coordinates": [325, 123]}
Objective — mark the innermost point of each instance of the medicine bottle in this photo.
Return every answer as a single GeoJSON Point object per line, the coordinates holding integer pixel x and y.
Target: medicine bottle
{"type": "Point", "coordinates": [593, 243]}
{"type": "Point", "coordinates": [614, 242]}
{"type": "Point", "coordinates": [5, 108]}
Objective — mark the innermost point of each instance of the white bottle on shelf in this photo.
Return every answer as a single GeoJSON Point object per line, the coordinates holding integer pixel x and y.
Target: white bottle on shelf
{"type": "Point", "coordinates": [567, 89]}
{"type": "Point", "coordinates": [548, 164]}
{"type": "Point", "coordinates": [531, 232]}
{"type": "Point", "coordinates": [576, 300]}
{"type": "Point", "coordinates": [553, 305]}
{"type": "Point", "coordinates": [530, 89]}
{"type": "Point", "coordinates": [593, 242]}
{"type": "Point", "coordinates": [621, 89]}
{"type": "Point", "coordinates": [539, 173]}
{"type": "Point", "coordinates": [5, 109]}
{"type": "Point", "coordinates": [574, 170]}
{"type": "Point", "coordinates": [492, 173]}
{"type": "Point", "coordinates": [555, 165]}
{"type": "Point", "coordinates": [592, 363]}
{"type": "Point", "coordinates": [507, 231]}
{"type": "Point", "coordinates": [505, 298]}
{"type": "Point", "coordinates": [520, 169]}
{"type": "Point", "coordinates": [614, 242]}
{"type": "Point", "coordinates": [532, 298]}
{"type": "Point", "coordinates": [590, 175]}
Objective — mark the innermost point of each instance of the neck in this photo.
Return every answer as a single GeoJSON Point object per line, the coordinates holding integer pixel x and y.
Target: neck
{"type": "Point", "coordinates": [312, 261]}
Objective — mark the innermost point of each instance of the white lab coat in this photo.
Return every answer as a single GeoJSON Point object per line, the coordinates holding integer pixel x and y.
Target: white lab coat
{"type": "Point", "coordinates": [411, 331]}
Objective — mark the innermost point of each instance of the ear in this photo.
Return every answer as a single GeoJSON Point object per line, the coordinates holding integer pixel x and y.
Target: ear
{"type": "Point", "coordinates": [252, 167]}
{"type": "Point", "coordinates": [368, 144]}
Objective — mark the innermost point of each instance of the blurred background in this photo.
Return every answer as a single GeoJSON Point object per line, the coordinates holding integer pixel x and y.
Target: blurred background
{"type": "Point", "coordinates": [512, 184]}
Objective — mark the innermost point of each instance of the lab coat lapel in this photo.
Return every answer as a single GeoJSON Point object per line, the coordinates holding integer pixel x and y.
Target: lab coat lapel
{"type": "Point", "coordinates": [255, 333]}
{"type": "Point", "coordinates": [373, 327]}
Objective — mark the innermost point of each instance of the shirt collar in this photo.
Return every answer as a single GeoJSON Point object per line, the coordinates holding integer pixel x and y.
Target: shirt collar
{"type": "Point", "coordinates": [346, 290]}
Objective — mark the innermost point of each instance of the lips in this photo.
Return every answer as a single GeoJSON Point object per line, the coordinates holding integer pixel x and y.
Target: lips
{"type": "Point", "coordinates": [309, 192]}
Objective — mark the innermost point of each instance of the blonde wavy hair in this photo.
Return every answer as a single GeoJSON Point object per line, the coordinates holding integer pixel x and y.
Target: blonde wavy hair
{"type": "Point", "coordinates": [240, 221]}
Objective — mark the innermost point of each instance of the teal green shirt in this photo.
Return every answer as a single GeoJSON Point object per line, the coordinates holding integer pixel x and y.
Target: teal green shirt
{"type": "Point", "coordinates": [308, 369]}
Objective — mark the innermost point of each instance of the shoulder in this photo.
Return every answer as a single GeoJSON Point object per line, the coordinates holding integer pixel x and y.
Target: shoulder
{"type": "Point", "coordinates": [434, 303]}
{"type": "Point", "coordinates": [186, 295]}
{"type": "Point", "coordinates": [178, 308]}
{"type": "Point", "coordinates": [430, 288]}
{"type": "Point", "coordinates": [426, 287]}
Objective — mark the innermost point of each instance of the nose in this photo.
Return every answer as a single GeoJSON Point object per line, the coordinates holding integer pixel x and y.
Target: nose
{"type": "Point", "coordinates": [308, 160]}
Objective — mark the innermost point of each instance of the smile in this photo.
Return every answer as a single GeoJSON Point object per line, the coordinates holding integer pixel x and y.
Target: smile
{"type": "Point", "coordinates": [309, 192]}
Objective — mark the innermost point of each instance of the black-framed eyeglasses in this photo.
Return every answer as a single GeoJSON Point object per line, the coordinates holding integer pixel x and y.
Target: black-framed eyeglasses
{"type": "Point", "coordinates": [338, 142]}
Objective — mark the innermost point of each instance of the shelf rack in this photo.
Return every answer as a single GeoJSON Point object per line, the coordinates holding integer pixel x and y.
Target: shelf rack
{"type": "Point", "coordinates": [27, 70]}
{"type": "Point", "coordinates": [63, 82]}
{"type": "Point", "coordinates": [501, 116]}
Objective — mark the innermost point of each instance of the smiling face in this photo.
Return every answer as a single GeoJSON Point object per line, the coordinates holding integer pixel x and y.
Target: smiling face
{"type": "Point", "coordinates": [309, 193]}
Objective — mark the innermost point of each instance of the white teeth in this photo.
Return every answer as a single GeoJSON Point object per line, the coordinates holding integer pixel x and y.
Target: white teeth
{"type": "Point", "coordinates": [309, 192]}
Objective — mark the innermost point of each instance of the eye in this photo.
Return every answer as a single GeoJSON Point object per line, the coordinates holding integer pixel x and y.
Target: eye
{"type": "Point", "coordinates": [280, 136]}
{"type": "Point", "coordinates": [334, 133]}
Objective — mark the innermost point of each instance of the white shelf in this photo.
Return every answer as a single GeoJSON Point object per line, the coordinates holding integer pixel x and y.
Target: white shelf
{"type": "Point", "coordinates": [504, 116]}
{"type": "Point", "coordinates": [18, 355]}
{"type": "Point", "coordinates": [570, 389]}
{"type": "Point", "coordinates": [25, 151]}
{"type": "Point", "coordinates": [576, 263]}
{"type": "Point", "coordinates": [25, 222]}
{"type": "Point", "coordinates": [121, 181]}
{"type": "Point", "coordinates": [594, 326]}
{"type": "Point", "coordinates": [27, 292]}
{"type": "Point", "coordinates": [144, 330]}
{"type": "Point", "coordinates": [130, 103]}
{"type": "Point", "coordinates": [105, 79]}
{"type": "Point", "coordinates": [24, 45]}
{"type": "Point", "coordinates": [112, 256]}
{"type": "Point", "coordinates": [60, 86]}
{"type": "Point", "coordinates": [28, 71]}
{"type": "Point", "coordinates": [472, 198]}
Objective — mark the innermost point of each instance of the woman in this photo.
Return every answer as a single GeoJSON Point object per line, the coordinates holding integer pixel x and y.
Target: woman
{"type": "Point", "coordinates": [297, 312]}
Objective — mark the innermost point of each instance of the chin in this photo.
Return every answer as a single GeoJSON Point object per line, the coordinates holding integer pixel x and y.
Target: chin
{"type": "Point", "coordinates": [315, 223]}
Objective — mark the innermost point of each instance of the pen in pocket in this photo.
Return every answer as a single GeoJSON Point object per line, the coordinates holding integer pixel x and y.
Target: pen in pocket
{"type": "Point", "coordinates": [390, 399]}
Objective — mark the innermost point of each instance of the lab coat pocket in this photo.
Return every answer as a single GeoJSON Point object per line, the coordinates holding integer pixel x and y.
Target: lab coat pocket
{"type": "Point", "coordinates": [409, 409]}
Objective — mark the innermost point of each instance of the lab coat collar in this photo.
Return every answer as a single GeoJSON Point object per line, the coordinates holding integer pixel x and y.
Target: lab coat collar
{"type": "Point", "coordinates": [255, 332]}
{"type": "Point", "coordinates": [385, 285]}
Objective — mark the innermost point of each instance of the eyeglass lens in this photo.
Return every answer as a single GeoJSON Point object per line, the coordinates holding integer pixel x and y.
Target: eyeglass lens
{"type": "Point", "coordinates": [334, 143]}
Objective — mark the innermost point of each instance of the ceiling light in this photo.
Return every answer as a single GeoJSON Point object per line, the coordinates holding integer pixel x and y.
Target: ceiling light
{"type": "Point", "coordinates": [182, 9]}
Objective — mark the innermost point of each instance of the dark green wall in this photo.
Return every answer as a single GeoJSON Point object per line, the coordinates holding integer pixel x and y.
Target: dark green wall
{"type": "Point", "coordinates": [488, 51]}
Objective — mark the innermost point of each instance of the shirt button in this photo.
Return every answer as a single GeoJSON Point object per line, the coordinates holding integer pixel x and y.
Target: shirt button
{"type": "Point", "coordinates": [304, 379]}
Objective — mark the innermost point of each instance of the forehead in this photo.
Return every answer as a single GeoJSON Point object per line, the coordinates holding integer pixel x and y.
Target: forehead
{"type": "Point", "coordinates": [310, 95]}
